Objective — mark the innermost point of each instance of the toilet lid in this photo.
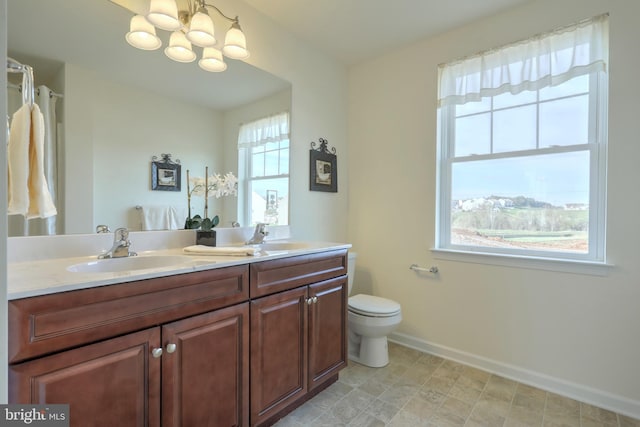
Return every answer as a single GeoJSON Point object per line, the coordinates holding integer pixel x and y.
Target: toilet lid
{"type": "Point", "coordinates": [372, 305]}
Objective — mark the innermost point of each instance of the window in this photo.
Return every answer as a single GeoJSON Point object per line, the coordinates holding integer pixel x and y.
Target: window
{"type": "Point", "coordinates": [522, 147]}
{"type": "Point", "coordinates": [264, 170]}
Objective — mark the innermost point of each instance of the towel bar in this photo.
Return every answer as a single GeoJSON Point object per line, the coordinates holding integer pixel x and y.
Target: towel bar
{"type": "Point", "coordinates": [415, 267]}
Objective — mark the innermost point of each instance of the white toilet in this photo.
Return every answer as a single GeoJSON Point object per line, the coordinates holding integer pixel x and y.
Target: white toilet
{"type": "Point", "coordinates": [370, 319]}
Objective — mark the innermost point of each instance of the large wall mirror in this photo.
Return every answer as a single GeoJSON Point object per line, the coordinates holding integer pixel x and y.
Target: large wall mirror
{"type": "Point", "coordinates": [116, 107]}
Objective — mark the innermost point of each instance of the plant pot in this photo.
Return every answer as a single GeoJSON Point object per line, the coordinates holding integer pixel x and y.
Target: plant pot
{"type": "Point", "coordinates": [206, 238]}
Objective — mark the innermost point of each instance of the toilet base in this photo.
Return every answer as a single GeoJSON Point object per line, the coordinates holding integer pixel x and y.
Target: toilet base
{"type": "Point", "coordinates": [372, 352]}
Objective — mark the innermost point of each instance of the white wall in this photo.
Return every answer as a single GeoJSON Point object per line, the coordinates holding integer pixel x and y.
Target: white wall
{"type": "Point", "coordinates": [575, 333]}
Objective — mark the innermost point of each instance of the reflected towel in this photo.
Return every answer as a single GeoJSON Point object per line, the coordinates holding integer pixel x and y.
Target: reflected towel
{"type": "Point", "coordinates": [40, 202]}
{"type": "Point", "coordinates": [18, 161]}
{"type": "Point", "coordinates": [162, 218]}
{"type": "Point", "coordinates": [221, 250]}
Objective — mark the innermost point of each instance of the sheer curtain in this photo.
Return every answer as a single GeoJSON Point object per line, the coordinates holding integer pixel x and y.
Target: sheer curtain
{"type": "Point", "coordinates": [18, 225]}
{"type": "Point", "coordinates": [260, 132]}
{"type": "Point", "coordinates": [543, 60]}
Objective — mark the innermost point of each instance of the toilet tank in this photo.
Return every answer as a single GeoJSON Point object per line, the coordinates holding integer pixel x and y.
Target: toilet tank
{"type": "Point", "coordinates": [351, 269]}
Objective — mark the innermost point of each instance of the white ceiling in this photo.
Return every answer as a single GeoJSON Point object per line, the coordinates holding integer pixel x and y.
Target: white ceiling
{"type": "Point", "coordinates": [357, 30]}
{"type": "Point", "coordinates": [90, 33]}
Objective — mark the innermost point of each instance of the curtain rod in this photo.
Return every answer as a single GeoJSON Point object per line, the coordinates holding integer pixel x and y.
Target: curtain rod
{"type": "Point", "coordinates": [51, 92]}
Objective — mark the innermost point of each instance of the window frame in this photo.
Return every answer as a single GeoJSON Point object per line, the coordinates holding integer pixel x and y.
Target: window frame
{"type": "Point", "coordinates": [597, 147]}
{"type": "Point", "coordinates": [245, 170]}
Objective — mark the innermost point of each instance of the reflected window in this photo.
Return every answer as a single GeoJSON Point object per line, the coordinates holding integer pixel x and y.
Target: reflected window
{"type": "Point", "coordinates": [264, 170]}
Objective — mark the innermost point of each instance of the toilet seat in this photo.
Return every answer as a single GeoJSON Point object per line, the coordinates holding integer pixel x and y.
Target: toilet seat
{"type": "Point", "coordinates": [372, 306]}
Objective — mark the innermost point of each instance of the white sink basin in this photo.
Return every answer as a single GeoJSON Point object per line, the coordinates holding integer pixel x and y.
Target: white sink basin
{"type": "Point", "coordinates": [283, 246]}
{"type": "Point", "coordinates": [115, 265]}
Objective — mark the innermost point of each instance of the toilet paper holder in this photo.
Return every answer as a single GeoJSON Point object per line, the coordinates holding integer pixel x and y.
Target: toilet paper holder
{"type": "Point", "coordinates": [415, 267]}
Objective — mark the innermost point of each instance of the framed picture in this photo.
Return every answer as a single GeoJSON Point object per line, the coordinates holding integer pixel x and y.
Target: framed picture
{"type": "Point", "coordinates": [165, 175]}
{"type": "Point", "coordinates": [323, 169]}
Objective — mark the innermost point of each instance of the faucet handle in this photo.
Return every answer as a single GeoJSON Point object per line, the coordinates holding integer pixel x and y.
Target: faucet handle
{"type": "Point", "coordinates": [102, 228]}
{"type": "Point", "coordinates": [121, 234]}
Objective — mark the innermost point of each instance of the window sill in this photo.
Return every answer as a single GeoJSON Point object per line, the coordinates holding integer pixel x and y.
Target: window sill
{"type": "Point", "coordinates": [590, 268]}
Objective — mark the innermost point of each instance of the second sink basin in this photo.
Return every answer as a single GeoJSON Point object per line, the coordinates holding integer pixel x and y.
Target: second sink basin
{"type": "Point", "coordinates": [115, 265]}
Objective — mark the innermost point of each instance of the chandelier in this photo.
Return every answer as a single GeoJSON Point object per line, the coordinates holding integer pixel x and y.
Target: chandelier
{"type": "Point", "coordinates": [192, 26]}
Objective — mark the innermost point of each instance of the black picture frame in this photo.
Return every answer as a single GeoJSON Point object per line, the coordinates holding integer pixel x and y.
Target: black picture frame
{"type": "Point", "coordinates": [323, 171]}
{"type": "Point", "coordinates": [166, 176]}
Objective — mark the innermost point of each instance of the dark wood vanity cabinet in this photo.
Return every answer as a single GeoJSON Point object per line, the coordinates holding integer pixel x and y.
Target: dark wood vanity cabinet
{"type": "Point", "coordinates": [298, 335]}
{"type": "Point", "coordinates": [233, 346]}
{"type": "Point", "coordinates": [188, 372]}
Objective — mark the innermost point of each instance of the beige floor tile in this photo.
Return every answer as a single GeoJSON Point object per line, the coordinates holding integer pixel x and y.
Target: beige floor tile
{"type": "Point", "coordinates": [560, 421]}
{"type": "Point", "coordinates": [500, 387]}
{"type": "Point", "coordinates": [374, 387]}
{"type": "Point", "coordinates": [351, 405]}
{"type": "Point", "coordinates": [382, 410]}
{"type": "Point", "coordinates": [528, 390]}
{"type": "Point", "coordinates": [562, 406]}
{"type": "Point", "coordinates": [528, 402]}
{"type": "Point", "coordinates": [407, 419]}
{"type": "Point", "coordinates": [484, 418]}
{"type": "Point", "coordinates": [628, 421]}
{"type": "Point", "coordinates": [305, 414]}
{"type": "Point", "coordinates": [454, 411]}
{"type": "Point", "coordinates": [490, 403]}
{"type": "Point", "coordinates": [366, 420]}
{"type": "Point", "coordinates": [521, 416]}
{"type": "Point", "coordinates": [421, 408]}
{"type": "Point", "coordinates": [472, 378]}
{"type": "Point", "coordinates": [441, 385]}
{"type": "Point", "coordinates": [466, 394]}
{"type": "Point", "coordinates": [417, 389]}
{"type": "Point", "coordinates": [599, 415]}
{"type": "Point", "coordinates": [399, 394]}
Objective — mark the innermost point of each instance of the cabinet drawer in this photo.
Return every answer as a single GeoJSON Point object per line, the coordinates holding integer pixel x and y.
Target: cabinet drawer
{"type": "Point", "coordinates": [50, 323]}
{"type": "Point", "coordinates": [268, 277]}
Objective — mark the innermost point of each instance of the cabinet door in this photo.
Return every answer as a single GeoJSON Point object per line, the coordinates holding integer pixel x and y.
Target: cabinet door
{"type": "Point", "coordinates": [327, 330]}
{"type": "Point", "coordinates": [205, 377]}
{"type": "Point", "coordinates": [105, 384]}
{"type": "Point", "coordinates": [278, 352]}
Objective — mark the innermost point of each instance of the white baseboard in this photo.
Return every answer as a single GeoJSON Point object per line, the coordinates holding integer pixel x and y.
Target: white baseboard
{"type": "Point", "coordinates": [582, 393]}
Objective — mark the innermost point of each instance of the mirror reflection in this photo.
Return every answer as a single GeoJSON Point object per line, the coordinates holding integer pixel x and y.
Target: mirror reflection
{"type": "Point", "coordinates": [114, 107]}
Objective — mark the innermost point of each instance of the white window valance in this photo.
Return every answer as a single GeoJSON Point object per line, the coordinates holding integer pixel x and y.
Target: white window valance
{"type": "Point", "coordinates": [260, 132]}
{"type": "Point", "coordinates": [544, 60]}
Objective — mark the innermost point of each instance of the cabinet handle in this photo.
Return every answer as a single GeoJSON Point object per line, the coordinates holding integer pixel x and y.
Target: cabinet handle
{"type": "Point", "coordinates": [309, 301]}
{"type": "Point", "coordinates": [156, 352]}
{"type": "Point", "coordinates": [314, 299]}
{"type": "Point", "coordinates": [171, 348]}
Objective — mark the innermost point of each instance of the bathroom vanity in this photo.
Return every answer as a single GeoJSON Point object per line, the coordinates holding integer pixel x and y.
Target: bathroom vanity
{"type": "Point", "coordinates": [235, 342]}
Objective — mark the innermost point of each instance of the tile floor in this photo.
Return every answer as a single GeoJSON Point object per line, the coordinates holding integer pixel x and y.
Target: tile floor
{"type": "Point", "coordinates": [418, 389]}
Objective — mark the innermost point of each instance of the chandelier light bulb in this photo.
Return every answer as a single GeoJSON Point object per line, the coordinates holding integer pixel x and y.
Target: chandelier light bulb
{"type": "Point", "coordinates": [142, 34]}
{"type": "Point", "coordinates": [201, 29]}
{"type": "Point", "coordinates": [212, 60]}
{"type": "Point", "coordinates": [164, 14]}
{"type": "Point", "coordinates": [179, 48]}
{"type": "Point", "coordinates": [235, 43]}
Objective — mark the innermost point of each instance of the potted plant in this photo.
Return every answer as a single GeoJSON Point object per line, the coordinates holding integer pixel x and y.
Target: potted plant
{"type": "Point", "coordinates": [214, 185]}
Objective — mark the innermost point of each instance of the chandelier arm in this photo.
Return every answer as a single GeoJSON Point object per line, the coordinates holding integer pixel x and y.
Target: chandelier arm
{"type": "Point", "coordinates": [204, 4]}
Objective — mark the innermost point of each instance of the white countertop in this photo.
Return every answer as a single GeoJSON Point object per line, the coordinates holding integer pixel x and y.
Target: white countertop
{"type": "Point", "coordinates": [42, 277]}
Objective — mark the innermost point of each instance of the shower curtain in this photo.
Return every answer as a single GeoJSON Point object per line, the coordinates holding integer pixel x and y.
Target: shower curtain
{"type": "Point", "coordinates": [18, 225]}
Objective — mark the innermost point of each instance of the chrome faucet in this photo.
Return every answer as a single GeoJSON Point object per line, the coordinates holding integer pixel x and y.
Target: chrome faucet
{"type": "Point", "coordinates": [121, 245]}
{"type": "Point", "coordinates": [258, 234]}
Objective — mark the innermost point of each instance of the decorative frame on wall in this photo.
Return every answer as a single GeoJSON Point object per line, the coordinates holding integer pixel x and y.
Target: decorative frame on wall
{"type": "Point", "coordinates": [323, 167]}
{"type": "Point", "coordinates": [165, 174]}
